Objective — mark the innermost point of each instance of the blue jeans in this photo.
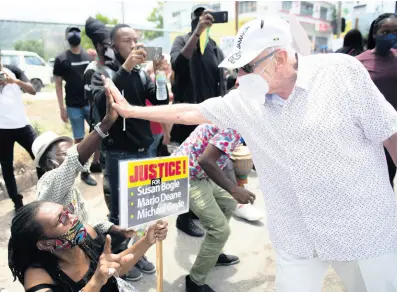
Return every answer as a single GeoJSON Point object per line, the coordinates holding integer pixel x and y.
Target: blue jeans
{"type": "Point", "coordinates": [77, 115]}
{"type": "Point", "coordinates": [153, 149]}
{"type": "Point", "coordinates": [112, 171]}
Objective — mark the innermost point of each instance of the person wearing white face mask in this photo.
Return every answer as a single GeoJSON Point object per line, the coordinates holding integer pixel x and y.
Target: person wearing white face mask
{"type": "Point", "coordinates": [316, 126]}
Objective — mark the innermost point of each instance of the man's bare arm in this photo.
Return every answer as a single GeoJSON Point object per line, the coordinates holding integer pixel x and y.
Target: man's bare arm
{"type": "Point", "coordinates": [59, 92]}
{"type": "Point", "coordinates": [391, 146]}
{"type": "Point", "coordinates": [60, 97]}
{"type": "Point", "coordinates": [186, 114]}
{"type": "Point", "coordinates": [205, 21]}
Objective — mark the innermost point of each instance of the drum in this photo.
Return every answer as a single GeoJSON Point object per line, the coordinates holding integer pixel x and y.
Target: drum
{"type": "Point", "coordinates": [243, 163]}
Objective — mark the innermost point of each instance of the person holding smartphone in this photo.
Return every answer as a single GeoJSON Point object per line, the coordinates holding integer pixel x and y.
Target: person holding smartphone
{"type": "Point", "coordinates": [196, 78]}
{"type": "Point", "coordinates": [128, 138]}
{"type": "Point", "coordinates": [14, 126]}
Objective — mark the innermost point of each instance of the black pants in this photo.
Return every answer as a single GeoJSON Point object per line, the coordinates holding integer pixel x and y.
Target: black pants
{"type": "Point", "coordinates": [24, 137]}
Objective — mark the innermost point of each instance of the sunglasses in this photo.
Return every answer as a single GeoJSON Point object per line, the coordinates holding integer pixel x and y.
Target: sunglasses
{"type": "Point", "coordinates": [63, 217]}
{"type": "Point", "coordinates": [249, 68]}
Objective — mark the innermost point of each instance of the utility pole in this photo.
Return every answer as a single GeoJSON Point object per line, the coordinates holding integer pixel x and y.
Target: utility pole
{"type": "Point", "coordinates": [236, 16]}
{"type": "Point", "coordinates": [122, 11]}
{"type": "Point", "coordinates": [338, 20]}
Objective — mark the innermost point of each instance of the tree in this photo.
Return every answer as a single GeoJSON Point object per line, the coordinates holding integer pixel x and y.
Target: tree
{"type": "Point", "coordinates": [36, 46]}
{"type": "Point", "coordinates": [86, 41]}
{"type": "Point", "coordinates": [156, 17]}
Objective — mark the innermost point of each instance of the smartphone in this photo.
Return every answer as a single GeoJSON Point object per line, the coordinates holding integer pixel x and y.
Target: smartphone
{"type": "Point", "coordinates": [153, 53]}
{"type": "Point", "coordinates": [220, 16]}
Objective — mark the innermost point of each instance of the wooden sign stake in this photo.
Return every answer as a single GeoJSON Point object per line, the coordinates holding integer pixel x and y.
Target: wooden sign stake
{"type": "Point", "coordinates": [159, 266]}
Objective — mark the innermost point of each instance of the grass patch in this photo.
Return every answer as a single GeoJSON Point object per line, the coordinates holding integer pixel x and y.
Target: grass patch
{"type": "Point", "coordinates": [49, 88]}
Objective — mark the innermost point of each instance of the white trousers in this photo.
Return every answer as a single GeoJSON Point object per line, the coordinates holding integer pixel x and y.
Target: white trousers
{"type": "Point", "coordinates": [295, 274]}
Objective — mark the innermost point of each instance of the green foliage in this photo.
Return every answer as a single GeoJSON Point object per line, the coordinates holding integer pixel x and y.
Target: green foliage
{"type": "Point", "coordinates": [156, 17]}
{"type": "Point", "coordinates": [36, 46]}
{"type": "Point", "coordinates": [86, 42]}
{"type": "Point", "coordinates": [38, 127]}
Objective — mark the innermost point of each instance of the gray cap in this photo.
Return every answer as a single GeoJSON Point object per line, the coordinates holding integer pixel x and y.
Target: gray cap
{"type": "Point", "coordinates": [71, 28]}
{"type": "Point", "coordinates": [197, 6]}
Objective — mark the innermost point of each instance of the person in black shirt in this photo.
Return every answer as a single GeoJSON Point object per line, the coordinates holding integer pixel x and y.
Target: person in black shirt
{"type": "Point", "coordinates": [14, 127]}
{"type": "Point", "coordinates": [196, 78]}
{"type": "Point", "coordinates": [128, 138]}
{"type": "Point", "coordinates": [69, 66]}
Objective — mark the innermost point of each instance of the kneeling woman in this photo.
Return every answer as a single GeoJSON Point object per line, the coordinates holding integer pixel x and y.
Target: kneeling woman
{"type": "Point", "coordinates": [51, 250]}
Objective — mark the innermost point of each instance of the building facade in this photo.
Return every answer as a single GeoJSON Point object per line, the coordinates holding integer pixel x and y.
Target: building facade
{"type": "Point", "coordinates": [314, 16]}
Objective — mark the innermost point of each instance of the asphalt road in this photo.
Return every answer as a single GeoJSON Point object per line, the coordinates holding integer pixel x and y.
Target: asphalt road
{"type": "Point", "coordinates": [249, 241]}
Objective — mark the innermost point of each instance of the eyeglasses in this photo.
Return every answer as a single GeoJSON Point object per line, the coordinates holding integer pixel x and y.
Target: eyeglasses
{"type": "Point", "coordinates": [63, 217]}
{"type": "Point", "coordinates": [249, 68]}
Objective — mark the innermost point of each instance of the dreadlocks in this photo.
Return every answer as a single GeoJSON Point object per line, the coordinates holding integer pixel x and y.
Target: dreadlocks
{"type": "Point", "coordinates": [374, 27]}
{"type": "Point", "coordinates": [25, 233]}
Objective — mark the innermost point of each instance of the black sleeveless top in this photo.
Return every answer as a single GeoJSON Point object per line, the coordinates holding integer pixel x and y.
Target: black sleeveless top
{"type": "Point", "coordinates": [93, 248]}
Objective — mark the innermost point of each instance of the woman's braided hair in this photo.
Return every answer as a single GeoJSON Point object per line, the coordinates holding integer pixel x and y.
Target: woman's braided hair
{"type": "Point", "coordinates": [23, 252]}
{"type": "Point", "coordinates": [25, 233]}
{"type": "Point", "coordinates": [374, 27]}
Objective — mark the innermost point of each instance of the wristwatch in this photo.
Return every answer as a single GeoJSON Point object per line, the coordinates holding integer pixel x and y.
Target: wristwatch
{"type": "Point", "coordinates": [99, 131]}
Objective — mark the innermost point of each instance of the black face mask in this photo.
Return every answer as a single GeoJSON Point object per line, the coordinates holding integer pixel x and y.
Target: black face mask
{"type": "Point", "coordinates": [194, 23]}
{"type": "Point", "coordinates": [384, 43]}
{"type": "Point", "coordinates": [74, 40]}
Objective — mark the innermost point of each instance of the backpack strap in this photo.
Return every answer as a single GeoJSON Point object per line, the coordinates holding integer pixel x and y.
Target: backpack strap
{"type": "Point", "coordinates": [143, 77]}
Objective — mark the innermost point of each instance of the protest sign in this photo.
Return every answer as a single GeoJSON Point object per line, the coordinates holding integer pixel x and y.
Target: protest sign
{"type": "Point", "coordinates": [152, 189]}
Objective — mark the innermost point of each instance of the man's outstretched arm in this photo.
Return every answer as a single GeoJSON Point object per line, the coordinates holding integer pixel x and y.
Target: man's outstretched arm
{"type": "Point", "coordinates": [187, 114]}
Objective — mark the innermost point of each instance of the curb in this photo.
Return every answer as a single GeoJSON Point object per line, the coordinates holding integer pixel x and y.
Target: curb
{"type": "Point", "coordinates": [24, 182]}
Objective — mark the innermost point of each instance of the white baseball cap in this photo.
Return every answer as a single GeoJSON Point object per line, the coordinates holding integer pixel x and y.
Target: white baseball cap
{"type": "Point", "coordinates": [41, 144]}
{"type": "Point", "coordinates": [254, 37]}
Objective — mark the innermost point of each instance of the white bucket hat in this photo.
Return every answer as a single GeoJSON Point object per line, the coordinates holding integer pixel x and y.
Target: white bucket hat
{"type": "Point", "coordinates": [254, 37]}
{"type": "Point", "coordinates": [41, 144]}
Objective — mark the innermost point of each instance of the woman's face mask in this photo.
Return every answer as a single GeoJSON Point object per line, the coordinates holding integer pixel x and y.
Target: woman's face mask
{"type": "Point", "coordinates": [384, 43]}
{"type": "Point", "coordinates": [75, 236]}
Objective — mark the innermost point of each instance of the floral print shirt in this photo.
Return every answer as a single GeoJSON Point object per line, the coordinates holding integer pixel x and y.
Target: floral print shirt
{"type": "Point", "coordinates": [224, 139]}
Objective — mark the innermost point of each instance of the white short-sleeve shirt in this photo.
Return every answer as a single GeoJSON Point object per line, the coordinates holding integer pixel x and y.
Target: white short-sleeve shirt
{"type": "Point", "coordinates": [320, 159]}
{"type": "Point", "coordinates": [12, 109]}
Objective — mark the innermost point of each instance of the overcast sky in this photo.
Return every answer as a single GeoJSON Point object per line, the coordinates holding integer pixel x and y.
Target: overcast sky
{"type": "Point", "coordinates": [75, 11]}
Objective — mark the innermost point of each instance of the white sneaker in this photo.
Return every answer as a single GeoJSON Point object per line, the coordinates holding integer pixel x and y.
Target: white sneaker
{"type": "Point", "coordinates": [248, 212]}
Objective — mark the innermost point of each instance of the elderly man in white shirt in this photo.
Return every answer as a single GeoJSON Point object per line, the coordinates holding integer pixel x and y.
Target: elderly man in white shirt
{"type": "Point", "coordinates": [316, 126]}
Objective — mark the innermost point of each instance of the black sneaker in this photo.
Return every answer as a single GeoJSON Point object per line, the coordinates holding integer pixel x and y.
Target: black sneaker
{"type": "Point", "coordinates": [95, 168]}
{"type": "Point", "coordinates": [227, 260]}
{"type": "Point", "coordinates": [192, 287]}
{"type": "Point", "coordinates": [86, 177]}
{"type": "Point", "coordinates": [193, 215]}
{"type": "Point", "coordinates": [145, 266]}
{"type": "Point", "coordinates": [134, 274]}
{"type": "Point", "coordinates": [186, 224]}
